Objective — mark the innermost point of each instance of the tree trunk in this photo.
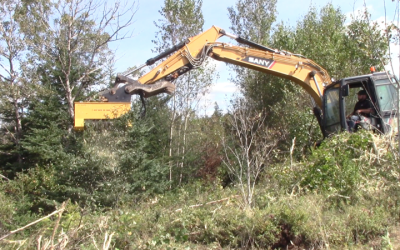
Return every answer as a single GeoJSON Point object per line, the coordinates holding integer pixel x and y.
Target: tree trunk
{"type": "Point", "coordinates": [184, 145]}
{"type": "Point", "coordinates": [18, 127]}
{"type": "Point", "coordinates": [171, 136]}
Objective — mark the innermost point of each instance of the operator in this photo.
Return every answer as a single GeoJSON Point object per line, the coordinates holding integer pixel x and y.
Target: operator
{"type": "Point", "coordinates": [362, 108]}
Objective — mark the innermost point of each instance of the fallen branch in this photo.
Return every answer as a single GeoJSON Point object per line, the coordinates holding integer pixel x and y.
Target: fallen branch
{"type": "Point", "coordinates": [19, 242]}
{"type": "Point", "coordinates": [57, 224]}
{"type": "Point", "coordinates": [33, 223]}
{"type": "Point", "coordinates": [107, 241]}
{"type": "Point", "coordinates": [5, 178]}
{"type": "Point", "coordinates": [208, 203]}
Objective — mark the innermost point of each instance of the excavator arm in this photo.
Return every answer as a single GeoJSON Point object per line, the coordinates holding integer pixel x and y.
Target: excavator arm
{"type": "Point", "coordinates": [300, 70]}
{"type": "Point", "coordinates": [191, 54]}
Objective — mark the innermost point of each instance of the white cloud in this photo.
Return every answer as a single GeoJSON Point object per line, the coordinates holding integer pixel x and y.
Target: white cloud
{"type": "Point", "coordinates": [220, 93]}
{"type": "Point", "coordinates": [394, 49]}
{"type": "Point", "coordinates": [219, 66]}
{"type": "Point", "coordinates": [223, 88]}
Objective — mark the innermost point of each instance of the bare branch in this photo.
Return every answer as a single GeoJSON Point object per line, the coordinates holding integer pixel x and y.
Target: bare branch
{"type": "Point", "coordinates": [35, 222]}
{"type": "Point", "coordinates": [5, 178]}
{"type": "Point", "coordinates": [250, 149]}
{"type": "Point", "coordinates": [209, 203]}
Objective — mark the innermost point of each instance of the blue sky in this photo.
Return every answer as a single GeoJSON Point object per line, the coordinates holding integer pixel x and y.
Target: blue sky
{"type": "Point", "coordinates": [137, 49]}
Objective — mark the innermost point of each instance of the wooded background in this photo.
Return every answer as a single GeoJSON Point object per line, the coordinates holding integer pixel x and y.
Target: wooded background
{"type": "Point", "coordinates": [54, 53]}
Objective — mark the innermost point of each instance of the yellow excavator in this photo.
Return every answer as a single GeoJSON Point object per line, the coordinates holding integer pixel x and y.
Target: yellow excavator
{"type": "Point", "coordinates": [331, 100]}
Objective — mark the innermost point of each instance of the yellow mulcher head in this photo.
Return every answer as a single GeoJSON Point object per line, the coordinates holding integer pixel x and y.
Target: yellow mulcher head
{"type": "Point", "coordinates": [117, 102]}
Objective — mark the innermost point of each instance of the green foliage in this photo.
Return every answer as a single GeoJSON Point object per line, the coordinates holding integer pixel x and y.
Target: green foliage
{"type": "Point", "coordinates": [36, 187]}
{"type": "Point", "coordinates": [230, 228]}
{"type": "Point", "coordinates": [367, 44]}
{"type": "Point", "coordinates": [137, 162]}
{"type": "Point", "coordinates": [121, 178]}
{"type": "Point", "coordinates": [365, 222]}
{"type": "Point", "coordinates": [253, 19]}
{"type": "Point", "coordinates": [7, 211]}
{"type": "Point", "coordinates": [170, 220]}
{"type": "Point", "coordinates": [46, 131]}
{"type": "Point", "coordinates": [334, 166]}
{"type": "Point", "coordinates": [343, 50]}
{"type": "Point", "coordinates": [181, 19]}
{"type": "Point", "coordinates": [18, 86]}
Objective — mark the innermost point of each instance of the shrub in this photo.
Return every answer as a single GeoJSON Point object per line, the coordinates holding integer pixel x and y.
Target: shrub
{"type": "Point", "coordinates": [337, 166]}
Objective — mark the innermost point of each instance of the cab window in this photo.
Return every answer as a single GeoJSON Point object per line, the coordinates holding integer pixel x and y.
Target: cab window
{"type": "Point", "coordinates": [387, 96]}
{"type": "Point", "coordinates": [332, 110]}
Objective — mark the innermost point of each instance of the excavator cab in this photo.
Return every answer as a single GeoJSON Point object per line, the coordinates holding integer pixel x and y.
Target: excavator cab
{"type": "Point", "coordinates": [340, 97]}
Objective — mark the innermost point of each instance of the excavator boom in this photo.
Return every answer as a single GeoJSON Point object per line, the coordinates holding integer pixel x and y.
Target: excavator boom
{"type": "Point", "coordinates": [191, 54]}
{"type": "Point", "coordinates": [300, 70]}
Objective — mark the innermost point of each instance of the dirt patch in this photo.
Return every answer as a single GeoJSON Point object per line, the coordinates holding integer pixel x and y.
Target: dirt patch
{"type": "Point", "coordinates": [394, 236]}
{"type": "Point", "coordinates": [287, 240]}
{"type": "Point", "coordinates": [390, 241]}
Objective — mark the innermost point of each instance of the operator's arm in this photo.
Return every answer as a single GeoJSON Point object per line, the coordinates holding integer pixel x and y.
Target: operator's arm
{"type": "Point", "coordinates": [364, 108]}
{"type": "Point", "coordinates": [364, 111]}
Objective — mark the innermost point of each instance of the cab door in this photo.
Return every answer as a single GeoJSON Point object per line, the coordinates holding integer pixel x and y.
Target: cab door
{"type": "Point", "coordinates": [387, 103]}
{"type": "Point", "coordinates": [334, 118]}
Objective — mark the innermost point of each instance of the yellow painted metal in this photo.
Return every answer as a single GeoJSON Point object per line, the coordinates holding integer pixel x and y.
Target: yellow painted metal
{"type": "Point", "coordinates": [286, 65]}
{"type": "Point", "coordinates": [179, 58]}
{"type": "Point", "coordinates": [308, 74]}
{"type": "Point", "coordinates": [294, 68]}
{"type": "Point", "coordinates": [98, 111]}
{"type": "Point", "coordinates": [109, 110]}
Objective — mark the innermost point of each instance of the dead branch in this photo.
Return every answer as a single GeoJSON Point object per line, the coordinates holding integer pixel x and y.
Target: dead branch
{"type": "Point", "coordinates": [209, 203]}
{"type": "Point", "coordinates": [5, 178]}
{"type": "Point", "coordinates": [107, 241]}
{"type": "Point", "coordinates": [56, 226]}
{"type": "Point", "coordinates": [36, 221]}
{"type": "Point", "coordinates": [14, 242]}
{"type": "Point", "coordinates": [39, 240]}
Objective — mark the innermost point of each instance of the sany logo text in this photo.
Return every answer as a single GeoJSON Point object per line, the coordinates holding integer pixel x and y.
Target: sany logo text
{"type": "Point", "coordinates": [259, 61]}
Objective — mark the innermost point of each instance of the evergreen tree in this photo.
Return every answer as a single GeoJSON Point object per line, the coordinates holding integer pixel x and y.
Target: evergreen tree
{"type": "Point", "coordinates": [18, 86]}
{"type": "Point", "coordinates": [73, 53]}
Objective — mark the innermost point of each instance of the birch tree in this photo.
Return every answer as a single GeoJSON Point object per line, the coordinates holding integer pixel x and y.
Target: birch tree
{"type": "Point", "coordinates": [73, 53]}
{"type": "Point", "coordinates": [16, 84]}
{"type": "Point", "coordinates": [182, 19]}
{"type": "Point", "coordinates": [247, 151]}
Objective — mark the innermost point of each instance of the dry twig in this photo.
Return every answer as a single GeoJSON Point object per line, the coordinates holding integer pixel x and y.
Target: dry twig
{"type": "Point", "coordinates": [5, 178]}
{"type": "Point", "coordinates": [209, 203]}
{"type": "Point", "coordinates": [36, 221]}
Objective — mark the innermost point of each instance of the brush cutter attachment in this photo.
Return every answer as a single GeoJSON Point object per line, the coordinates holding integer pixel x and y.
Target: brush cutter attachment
{"type": "Point", "coordinates": [134, 87]}
{"type": "Point", "coordinates": [117, 101]}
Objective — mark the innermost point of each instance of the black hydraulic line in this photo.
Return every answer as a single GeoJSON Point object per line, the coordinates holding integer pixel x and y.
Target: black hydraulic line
{"type": "Point", "coordinates": [143, 113]}
{"type": "Point", "coordinates": [167, 52]}
{"type": "Point", "coordinates": [318, 114]}
{"type": "Point", "coordinates": [253, 44]}
{"type": "Point", "coordinates": [248, 42]}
